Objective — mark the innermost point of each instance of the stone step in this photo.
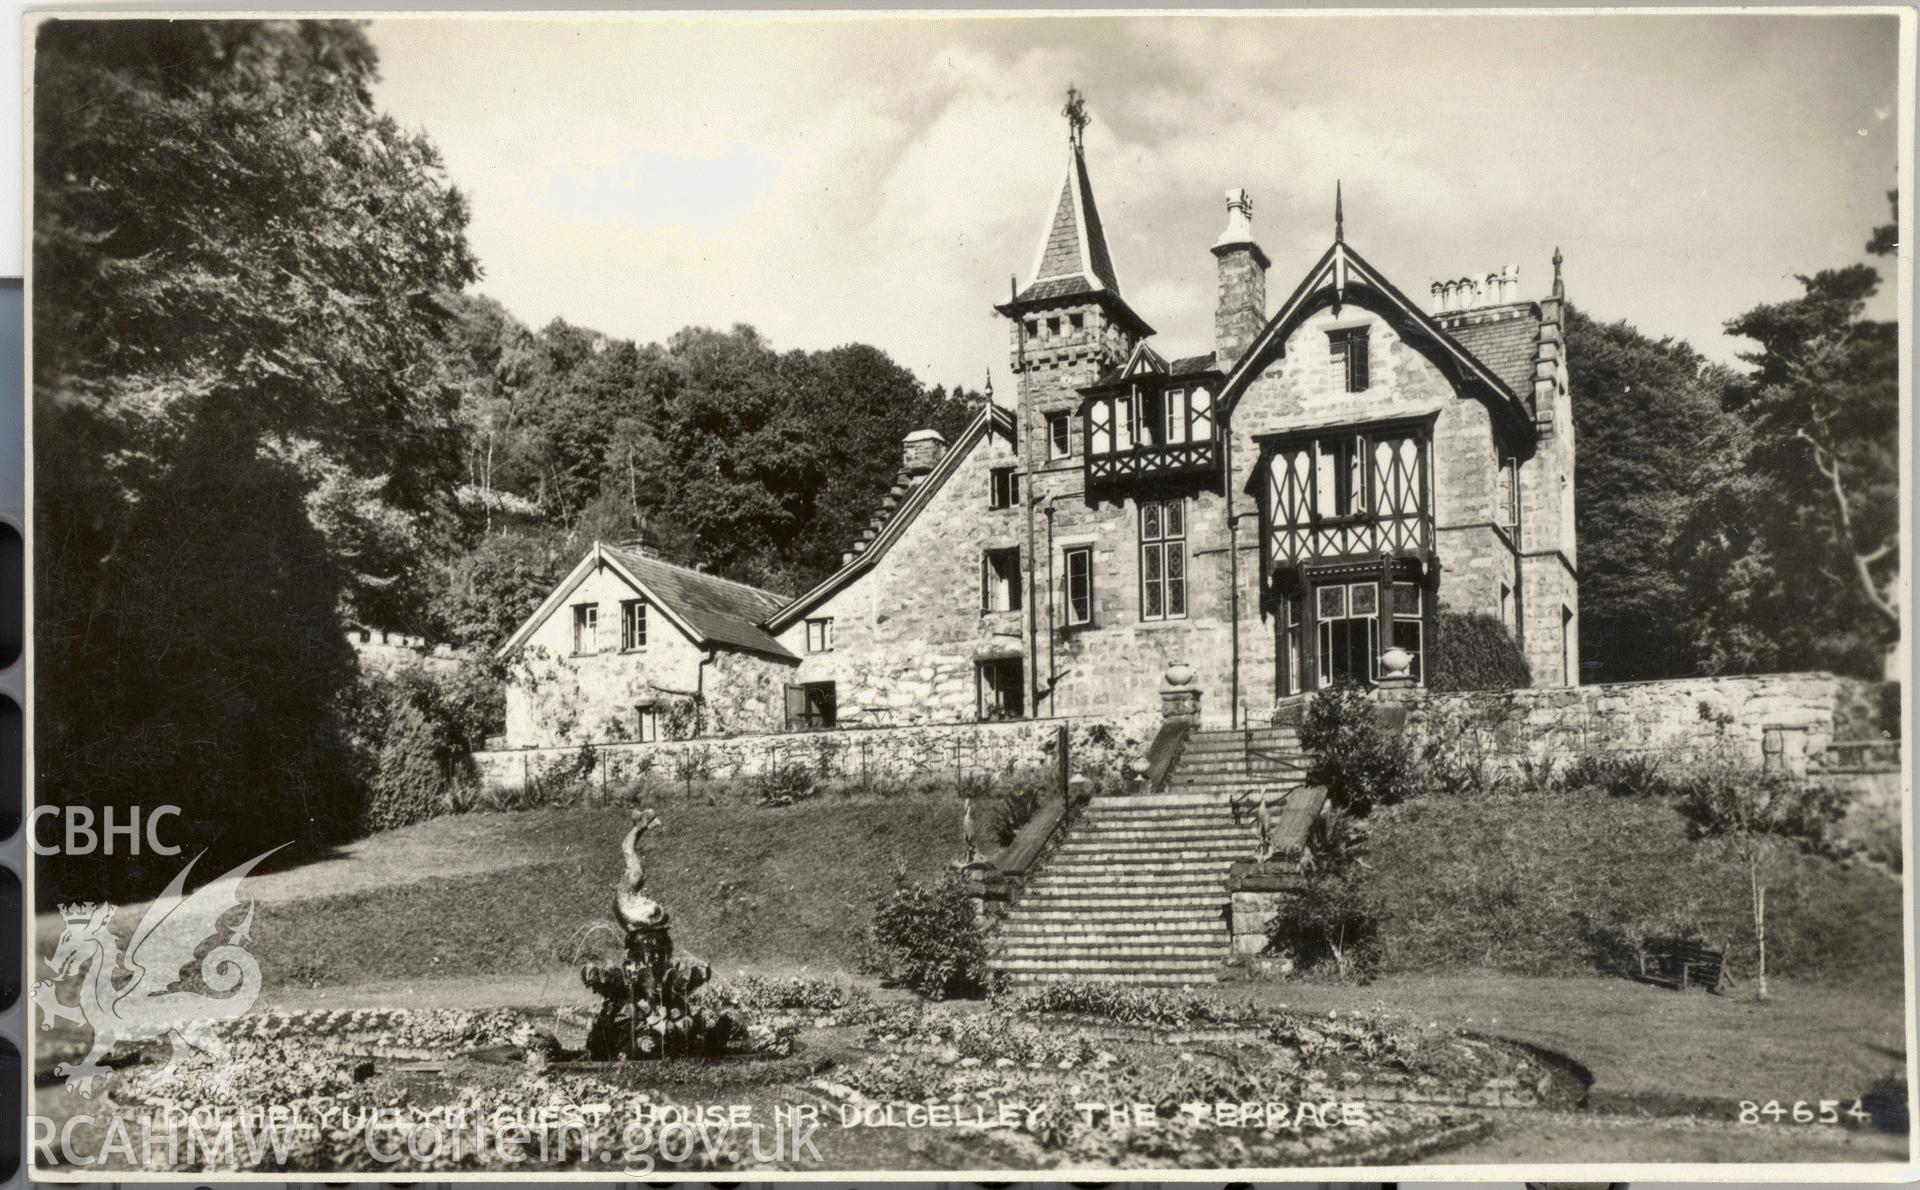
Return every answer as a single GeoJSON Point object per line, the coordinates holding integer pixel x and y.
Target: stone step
{"type": "Point", "coordinates": [1126, 899]}
{"type": "Point", "coordinates": [1213, 826]}
{"type": "Point", "coordinates": [1179, 933]}
{"type": "Point", "coordinates": [1118, 933]}
{"type": "Point", "coordinates": [1158, 884]}
{"type": "Point", "coordinates": [1059, 954]}
{"type": "Point", "coordinates": [1147, 801]}
{"type": "Point", "coordinates": [1123, 900]}
{"type": "Point", "coordinates": [1160, 917]}
{"type": "Point", "coordinates": [1125, 975]}
{"type": "Point", "coordinates": [1227, 784]}
{"type": "Point", "coordinates": [1191, 965]}
{"type": "Point", "coordinates": [1152, 851]}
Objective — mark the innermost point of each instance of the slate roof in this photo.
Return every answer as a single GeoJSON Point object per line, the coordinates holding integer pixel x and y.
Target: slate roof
{"type": "Point", "coordinates": [1506, 347]}
{"type": "Point", "coordinates": [711, 610]}
{"type": "Point", "coordinates": [1189, 364]}
{"type": "Point", "coordinates": [991, 419]}
{"type": "Point", "coordinates": [1075, 248]}
{"type": "Point", "coordinates": [722, 611]}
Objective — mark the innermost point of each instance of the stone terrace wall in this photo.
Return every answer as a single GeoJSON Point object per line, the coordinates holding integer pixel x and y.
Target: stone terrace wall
{"type": "Point", "coordinates": [930, 753]}
{"type": "Point", "coordinates": [1685, 720]}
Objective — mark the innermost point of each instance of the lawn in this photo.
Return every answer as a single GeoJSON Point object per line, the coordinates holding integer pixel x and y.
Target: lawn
{"type": "Point", "coordinates": [504, 896]}
{"type": "Point", "coordinates": [479, 911]}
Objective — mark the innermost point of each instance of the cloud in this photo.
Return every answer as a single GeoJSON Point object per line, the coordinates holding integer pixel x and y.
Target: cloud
{"type": "Point", "coordinates": [837, 179]}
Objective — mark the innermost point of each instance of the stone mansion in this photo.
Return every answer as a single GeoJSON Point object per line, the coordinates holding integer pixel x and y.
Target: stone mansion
{"type": "Point", "coordinates": [1270, 516]}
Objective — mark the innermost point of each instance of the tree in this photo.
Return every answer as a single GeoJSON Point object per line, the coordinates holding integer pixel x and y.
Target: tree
{"type": "Point", "coordinates": [1754, 814]}
{"type": "Point", "coordinates": [1793, 556]}
{"type": "Point", "coordinates": [1648, 418]}
{"type": "Point", "coordinates": [244, 429]}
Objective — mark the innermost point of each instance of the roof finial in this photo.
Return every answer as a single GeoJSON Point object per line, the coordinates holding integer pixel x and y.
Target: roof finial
{"type": "Point", "coordinates": [1339, 215]}
{"type": "Point", "coordinates": [1076, 114]}
{"type": "Point", "coordinates": [989, 386]}
{"type": "Point", "coordinates": [1559, 286]}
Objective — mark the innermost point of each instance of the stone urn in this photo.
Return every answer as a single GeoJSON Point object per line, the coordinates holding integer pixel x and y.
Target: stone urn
{"type": "Point", "coordinates": [1179, 673]}
{"type": "Point", "coordinates": [1396, 665]}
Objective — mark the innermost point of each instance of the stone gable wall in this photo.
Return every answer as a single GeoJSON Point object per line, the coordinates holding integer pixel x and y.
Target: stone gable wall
{"type": "Point", "coordinates": [908, 634]}
{"type": "Point", "coordinates": [555, 698]}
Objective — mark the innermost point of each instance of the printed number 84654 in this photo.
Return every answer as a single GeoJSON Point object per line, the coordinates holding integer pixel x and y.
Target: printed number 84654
{"type": "Point", "coordinates": [1826, 1111]}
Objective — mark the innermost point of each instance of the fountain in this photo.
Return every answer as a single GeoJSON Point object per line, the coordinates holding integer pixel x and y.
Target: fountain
{"type": "Point", "coordinates": [645, 999]}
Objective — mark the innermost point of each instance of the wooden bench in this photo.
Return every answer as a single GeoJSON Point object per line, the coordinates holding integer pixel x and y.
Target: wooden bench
{"type": "Point", "coordinates": [1680, 964]}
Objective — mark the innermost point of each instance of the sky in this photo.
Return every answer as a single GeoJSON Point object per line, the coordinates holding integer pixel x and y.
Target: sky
{"type": "Point", "coordinates": [879, 180]}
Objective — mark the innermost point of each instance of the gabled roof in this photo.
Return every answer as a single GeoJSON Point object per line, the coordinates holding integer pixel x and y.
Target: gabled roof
{"type": "Point", "coordinates": [1150, 364]}
{"type": "Point", "coordinates": [1507, 343]}
{"type": "Point", "coordinates": [1341, 268]}
{"type": "Point", "coordinates": [711, 610]}
{"type": "Point", "coordinates": [991, 417]}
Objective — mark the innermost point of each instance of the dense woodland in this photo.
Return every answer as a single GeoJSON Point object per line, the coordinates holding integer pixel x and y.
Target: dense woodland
{"type": "Point", "coordinates": [271, 399]}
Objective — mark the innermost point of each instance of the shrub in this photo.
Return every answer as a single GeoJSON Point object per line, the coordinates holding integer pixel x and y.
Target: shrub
{"type": "Point", "coordinates": [927, 935]}
{"type": "Point", "coordinates": [1474, 651]}
{"type": "Point", "coordinates": [1637, 775]}
{"type": "Point", "coordinates": [1332, 923]}
{"type": "Point", "coordinates": [783, 785]}
{"type": "Point", "coordinates": [1016, 808]}
{"type": "Point", "coordinates": [1358, 763]}
{"type": "Point", "coordinates": [786, 995]}
{"type": "Point", "coordinates": [1167, 1008]}
{"type": "Point", "coordinates": [413, 730]}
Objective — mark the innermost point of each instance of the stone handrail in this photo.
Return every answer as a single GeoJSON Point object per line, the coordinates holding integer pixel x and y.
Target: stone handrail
{"type": "Point", "coordinates": [1165, 751]}
{"type": "Point", "coordinates": [997, 880]}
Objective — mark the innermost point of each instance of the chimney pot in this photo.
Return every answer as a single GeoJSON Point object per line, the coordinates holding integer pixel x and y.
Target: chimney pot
{"type": "Point", "coordinates": [921, 451]}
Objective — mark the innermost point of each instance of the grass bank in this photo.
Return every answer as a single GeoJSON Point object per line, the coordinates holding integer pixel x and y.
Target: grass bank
{"type": "Point", "coordinates": [1561, 882]}
{"type": "Point", "coordinates": [746, 886]}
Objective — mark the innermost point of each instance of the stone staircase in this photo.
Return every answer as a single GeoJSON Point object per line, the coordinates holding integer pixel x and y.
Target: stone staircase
{"type": "Point", "coordinates": [1136, 891]}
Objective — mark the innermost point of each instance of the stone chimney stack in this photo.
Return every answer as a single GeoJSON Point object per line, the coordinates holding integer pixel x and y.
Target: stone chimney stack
{"type": "Point", "coordinates": [921, 451]}
{"type": "Point", "coordinates": [1242, 308]}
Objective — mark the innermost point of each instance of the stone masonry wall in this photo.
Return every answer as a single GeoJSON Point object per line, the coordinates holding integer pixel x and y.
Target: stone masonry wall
{"type": "Point", "coordinates": [1682, 721]}
{"type": "Point", "coordinates": [555, 698]}
{"type": "Point", "coordinates": [934, 753]}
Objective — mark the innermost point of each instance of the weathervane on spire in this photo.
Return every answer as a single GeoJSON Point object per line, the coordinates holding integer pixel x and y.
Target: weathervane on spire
{"type": "Point", "coordinates": [1076, 114]}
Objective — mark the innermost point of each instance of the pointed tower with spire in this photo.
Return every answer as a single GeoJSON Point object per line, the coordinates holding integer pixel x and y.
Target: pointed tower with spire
{"type": "Point", "coordinates": [1069, 319]}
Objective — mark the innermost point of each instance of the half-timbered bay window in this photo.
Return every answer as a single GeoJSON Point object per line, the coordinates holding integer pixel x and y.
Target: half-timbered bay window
{"type": "Point", "coordinates": [633, 625]}
{"type": "Point", "coordinates": [1348, 346]}
{"type": "Point", "coordinates": [1077, 562]}
{"type": "Point", "coordinates": [1150, 431]}
{"type": "Point", "coordinates": [586, 628]}
{"type": "Point", "coordinates": [1350, 494]}
{"type": "Point", "coordinates": [1163, 560]}
{"type": "Point", "coordinates": [1000, 581]}
{"type": "Point", "coordinates": [1003, 487]}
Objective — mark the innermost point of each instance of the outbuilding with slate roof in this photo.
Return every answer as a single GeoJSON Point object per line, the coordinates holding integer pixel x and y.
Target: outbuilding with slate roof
{"type": "Point", "coordinates": [631, 648]}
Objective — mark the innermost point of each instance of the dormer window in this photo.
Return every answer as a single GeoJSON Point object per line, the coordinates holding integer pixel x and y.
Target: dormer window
{"type": "Point", "coordinates": [1348, 347]}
